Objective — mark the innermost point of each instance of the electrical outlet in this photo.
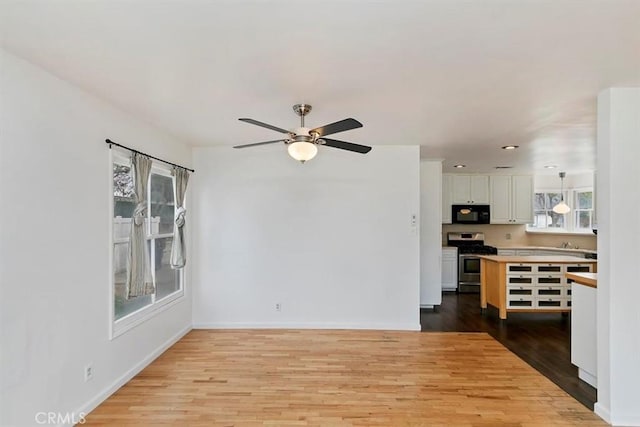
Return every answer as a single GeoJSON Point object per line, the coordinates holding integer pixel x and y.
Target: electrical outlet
{"type": "Point", "coordinates": [278, 306]}
{"type": "Point", "coordinates": [88, 372]}
{"type": "Point", "coordinates": [508, 236]}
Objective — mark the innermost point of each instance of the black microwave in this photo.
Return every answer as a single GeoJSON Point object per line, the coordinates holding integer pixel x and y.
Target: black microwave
{"type": "Point", "coordinates": [470, 214]}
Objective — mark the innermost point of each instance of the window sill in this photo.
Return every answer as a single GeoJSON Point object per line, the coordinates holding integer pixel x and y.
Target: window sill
{"type": "Point", "coordinates": [121, 326]}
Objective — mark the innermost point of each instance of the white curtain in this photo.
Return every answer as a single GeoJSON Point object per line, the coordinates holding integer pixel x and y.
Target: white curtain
{"type": "Point", "coordinates": [139, 280]}
{"type": "Point", "coordinates": [178, 249]}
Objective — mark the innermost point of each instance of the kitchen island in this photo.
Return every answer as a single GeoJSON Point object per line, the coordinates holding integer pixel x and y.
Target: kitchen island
{"type": "Point", "coordinates": [535, 284]}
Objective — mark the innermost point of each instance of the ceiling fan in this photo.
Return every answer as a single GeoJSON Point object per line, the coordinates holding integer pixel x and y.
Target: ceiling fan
{"type": "Point", "coordinates": [302, 142]}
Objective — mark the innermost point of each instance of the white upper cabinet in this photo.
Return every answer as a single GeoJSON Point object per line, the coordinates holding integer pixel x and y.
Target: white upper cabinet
{"type": "Point", "coordinates": [500, 188]}
{"type": "Point", "coordinates": [522, 199]}
{"type": "Point", "coordinates": [447, 184]}
{"type": "Point", "coordinates": [470, 189]}
{"type": "Point", "coordinates": [511, 199]}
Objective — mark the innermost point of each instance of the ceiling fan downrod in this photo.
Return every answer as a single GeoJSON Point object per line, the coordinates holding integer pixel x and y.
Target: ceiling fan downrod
{"type": "Point", "coordinates": [302, 110]}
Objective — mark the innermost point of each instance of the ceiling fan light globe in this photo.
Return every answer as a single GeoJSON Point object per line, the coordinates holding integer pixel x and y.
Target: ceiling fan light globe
{"type": "Point", "coordinates": [302, 151]}
{"type": "Point", "coordinates": [561, 208]}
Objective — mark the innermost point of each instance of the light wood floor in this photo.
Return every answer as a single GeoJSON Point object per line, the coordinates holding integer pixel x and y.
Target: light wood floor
{"type": "Point", "coordinates": [336, 378]}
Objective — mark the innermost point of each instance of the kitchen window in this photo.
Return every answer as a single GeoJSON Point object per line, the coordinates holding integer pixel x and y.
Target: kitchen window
{"type": "Point", "coordinates": [579, 220]}
{"type": "Point", "coordinates": [159, 224]}
{"type": "Point", "coordinates": [544, 218]}
{"type": "Point", "coordinates": [583, 213]}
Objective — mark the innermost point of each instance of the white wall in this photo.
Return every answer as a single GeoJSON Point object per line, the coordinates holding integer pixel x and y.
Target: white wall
{"type": "Point", "coordinates": [54, 247]}
{"type": "Point", "coordinates": [431, 233]}
{"type": "Point", "coordinates": [331, 240]}
{"type": "Point", "coordinates": [618, 201]}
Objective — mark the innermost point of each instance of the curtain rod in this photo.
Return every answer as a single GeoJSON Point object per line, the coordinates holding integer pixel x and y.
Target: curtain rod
{"type": "Point", "coordinates": [110, 142]}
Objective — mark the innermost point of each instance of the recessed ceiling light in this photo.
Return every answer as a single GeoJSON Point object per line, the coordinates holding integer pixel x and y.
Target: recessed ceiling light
{"type": "Point", "coordinates": [510, 147]}
{"type": "Point", "coordinates": [504, 167]}
{"type": "Point", "coordinates": [550, 167]}
{"type": "Point", "coordinates": [459, 166]}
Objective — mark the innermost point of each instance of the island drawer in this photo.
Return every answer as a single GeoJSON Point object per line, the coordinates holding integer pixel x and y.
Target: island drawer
{"type": "Point", "coordinates": [520, 291]}
{"type": "Point", "coordinates": [551, 303]}
{"type": "Point", "coordinates": [550, 291]}
{"type": "Point", "coordinates": [520, 302]}
{"type": "Point", "coordinates": [521, 268]}
{"type": "Point", "coordinates": [550, 280]}
{"type": "Point", "coordinates": [521, 279]}
{"type": "Point", "coordinates": [579, 268]}
{"type": "Point", "coordinates": [549, 268]}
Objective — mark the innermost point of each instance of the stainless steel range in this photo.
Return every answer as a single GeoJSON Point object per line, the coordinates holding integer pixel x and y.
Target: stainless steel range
{"type": "Point", "coordinates": [469, 245]}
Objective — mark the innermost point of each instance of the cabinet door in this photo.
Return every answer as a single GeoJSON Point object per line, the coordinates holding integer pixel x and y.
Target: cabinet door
{"type": "Point", "coordinates": [469, 189]}
{"type": "Point", "coordinates": [500, 201]}
{"type": "Point", "coordinates": [522, 199]}
{"type": "Point", "coordinates": [479, 189]}
{"type": "Point", "coordinates": [446, 198]}
{"type": "Point", "coordinates": [461, 191]}
{"type": "Point", "coordinates": [449, 269]}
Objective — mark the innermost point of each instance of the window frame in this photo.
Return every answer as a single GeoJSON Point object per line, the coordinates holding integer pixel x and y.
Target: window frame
{"type": "Point", "coordinates": [546, 229]}
{"type": "Point", "coordinates": [570, 218]}
{"type": "Point", "coordinates": [575, 209]}
{"type": "Point", "coordinates": [120, 326]}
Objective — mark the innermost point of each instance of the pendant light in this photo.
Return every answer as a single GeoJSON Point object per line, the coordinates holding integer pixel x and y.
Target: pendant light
{"type": "Point", "coordinates": [562, 208]}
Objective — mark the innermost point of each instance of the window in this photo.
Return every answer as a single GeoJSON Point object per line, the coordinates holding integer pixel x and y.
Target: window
{"type": "Point", "coordinates": [543, 215]}
{"type": "Point", "coordinates": [579, 220]}
{"type": "Point", "coordinates": [583, 210]}
{"type": "Point", "coordinates": [159, 230]}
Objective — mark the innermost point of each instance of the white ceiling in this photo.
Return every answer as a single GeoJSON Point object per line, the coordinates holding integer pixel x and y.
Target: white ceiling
{"type": "Point", "coordinates": [459, 78]}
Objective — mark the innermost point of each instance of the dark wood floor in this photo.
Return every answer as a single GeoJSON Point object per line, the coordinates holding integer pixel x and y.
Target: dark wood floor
{"type": "Point", "coordinates": [542, 340]}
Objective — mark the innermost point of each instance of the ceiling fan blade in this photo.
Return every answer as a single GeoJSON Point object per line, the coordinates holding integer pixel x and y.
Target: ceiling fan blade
{"type": "Point", "coordinates": [264, 125]}
{"type": "Point", "coordinates": [350, 146]}
{"type": "Point", "coordinates": [257, 143]}
{"type": "Point", "coordinates": [341, 126]}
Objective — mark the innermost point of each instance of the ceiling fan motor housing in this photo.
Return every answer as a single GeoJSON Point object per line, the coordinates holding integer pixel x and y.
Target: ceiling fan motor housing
{"type": "Point", "coordinates": [302, 134]}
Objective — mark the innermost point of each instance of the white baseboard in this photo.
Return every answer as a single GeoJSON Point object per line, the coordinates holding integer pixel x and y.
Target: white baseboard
{"type": "Point", "coordinates": [602, 412]}
{"type": "Point", "coordinates": [319, 325]}
{"type": "Point", "coordinates": [135, 370]}
{"type": "Point", "coordinates": [624, 420]}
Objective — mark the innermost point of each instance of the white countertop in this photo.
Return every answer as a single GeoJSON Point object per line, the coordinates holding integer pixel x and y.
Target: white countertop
{"type": "Point", "coordinates": [538, 259]}
{"type": "Point", "coordinates": [550, 248]}
{"type": "Point", "coordinates": [543, 248]}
